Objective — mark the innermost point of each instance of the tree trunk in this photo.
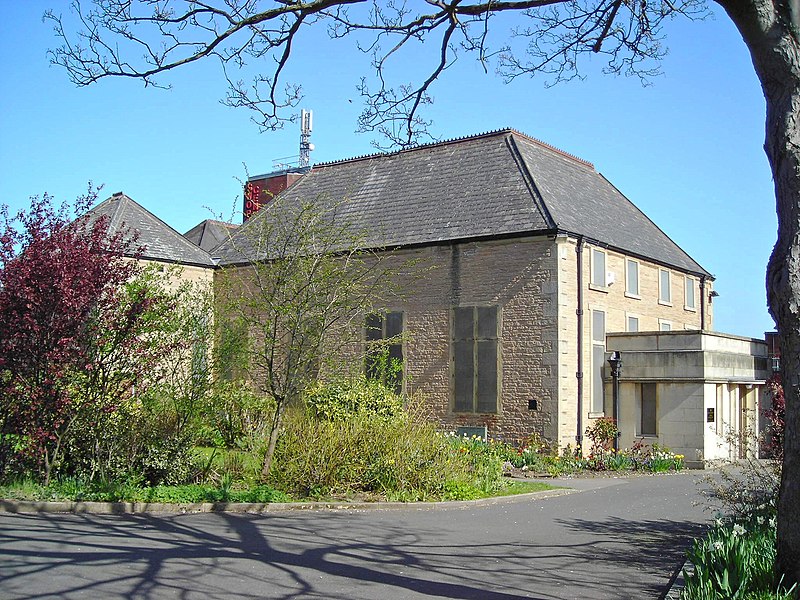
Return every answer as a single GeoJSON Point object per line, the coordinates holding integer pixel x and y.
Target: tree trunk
{"type": "Point", "coordinates": [771, 32]}
{"type": "Point", "coordinates": [277, 421]}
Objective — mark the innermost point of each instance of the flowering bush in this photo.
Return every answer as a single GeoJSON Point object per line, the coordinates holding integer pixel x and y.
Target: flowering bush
{"type": "Point", "coordinates": [602, 434]}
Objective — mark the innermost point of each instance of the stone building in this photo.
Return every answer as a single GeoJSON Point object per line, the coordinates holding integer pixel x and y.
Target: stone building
{"type": "Point", "coordinates": [534, 268]}
{"type": "Point", "coordinates": [697, 392]}
{"type": "Point", "coordinates": [533, 258]}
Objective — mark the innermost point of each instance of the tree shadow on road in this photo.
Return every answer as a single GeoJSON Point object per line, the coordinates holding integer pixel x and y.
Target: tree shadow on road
{"type": "Point", "coordinates": [219, 556]}
{"type": "Point", "coordinates": [336, 555]}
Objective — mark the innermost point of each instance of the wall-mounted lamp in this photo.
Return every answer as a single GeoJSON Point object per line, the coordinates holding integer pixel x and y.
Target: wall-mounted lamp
{"type": "Point", "coordinates": [712, 295]}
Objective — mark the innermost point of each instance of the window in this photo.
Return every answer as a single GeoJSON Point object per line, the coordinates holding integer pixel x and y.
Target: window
{"type": "Point", "coordinates": [648, 413]}
{"type": "Point", "coordinates": [664, 292]}
{"type": "Point", "coordinates": [689, 292]}
{"type": "Point", "coordinates": [598, 267]}
{"type": "Point", "coordinates": [664, 325]}
{"type": "Point", "coordinates": [475, 368]}
{"type": "Point", "coordinates": [633, 324]}
{"type": "Point", "coordinates": [632, 277]}
{"type": "Point", "coordinates": [384, 356]}
{"type": "Point", "coordinates": [598, 358]}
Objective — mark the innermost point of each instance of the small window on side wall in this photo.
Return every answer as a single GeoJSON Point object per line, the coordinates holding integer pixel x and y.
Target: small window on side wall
{"type": "Point", "coordinates": [598, 268]}
{"type": "Point", "coordinates": [689, 302]}
{"type": "Point", "coordinates": [633, 324]}
{"type": "Point", "coordinates": [664, 291]}
{"type": "Point", "coordinates": [384, 352]}
{"type": "Point", "coordinates": [631, 277]}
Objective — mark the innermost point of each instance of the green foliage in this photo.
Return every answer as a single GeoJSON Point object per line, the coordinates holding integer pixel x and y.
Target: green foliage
{"type": "Point", "coordinates": [142, 440]}
{"type": "Point", "coordinates": [361, 455]}
{"type": "Point", "coordinates": [234, 416]}
{"type": "Point", "coordinates": [540, 458]}
{"type": "Point", "coordinates": [342, 399]}
{"type": "Point", "coordinates": [355, 439]}
{"type": "Point", "coordinates": [602, 433]}
{"type": "Point", "coordinates": [79, 490]}
{"type": "Point", "coordinates": [486, 459]}
{"type": "Point", "coordinates": [735, 560]}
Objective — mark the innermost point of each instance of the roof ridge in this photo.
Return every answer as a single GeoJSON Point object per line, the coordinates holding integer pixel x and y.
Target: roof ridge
{"type": "Point", "coordinates": [530, 182]}
{"type": "Point", "coordinates": [555, 149]}
{"type": "Point", "coordinates": [127, 200]}
{"type": "Point", "coordinates": [218, 222]}
{"type": "Point", "coordinates": [455, 140]}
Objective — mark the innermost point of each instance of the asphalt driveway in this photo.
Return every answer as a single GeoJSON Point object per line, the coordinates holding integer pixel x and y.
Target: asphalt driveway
{"type": "Point", "coordinates": [615, 538]}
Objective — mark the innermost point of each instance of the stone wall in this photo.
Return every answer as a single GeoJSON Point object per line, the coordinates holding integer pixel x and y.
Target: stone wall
{"type": "Point", "coordinates": [517, 276]}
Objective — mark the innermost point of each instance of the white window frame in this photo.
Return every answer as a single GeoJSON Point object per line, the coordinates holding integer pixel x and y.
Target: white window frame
{"type": "Point", "coordinates": [592, 267]}
{"type": "Point", "coordinates": [662, 323]}
{"type": "Point", "coordinates": [663, 298]}
{"type": "Point", "coordinates": [629, 293]}
{"type": "Point", "coordinates": [628, 318]}
{"type": "Point", "coordinates": [689, 285]}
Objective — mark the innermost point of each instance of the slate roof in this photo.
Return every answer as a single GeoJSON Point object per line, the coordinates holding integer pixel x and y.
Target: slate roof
{"type": "Point", "coordinates": [496, 184]}
{"type": "Point", "coordinates": [209, 234]}
{"type": "Point", "coordinates": [161, 241]}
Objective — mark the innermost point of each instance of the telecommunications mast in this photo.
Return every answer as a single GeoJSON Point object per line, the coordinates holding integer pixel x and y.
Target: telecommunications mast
{"type": "Point", "coordinates": [305, 136]}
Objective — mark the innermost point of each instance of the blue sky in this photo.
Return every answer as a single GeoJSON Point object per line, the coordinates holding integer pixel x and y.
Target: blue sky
{"type": "Point", "coordinates": [688, 149]}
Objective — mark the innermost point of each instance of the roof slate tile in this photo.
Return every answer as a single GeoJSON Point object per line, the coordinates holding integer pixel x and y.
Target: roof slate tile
{"type": "Point", "coordinates": [496, 184]}
{"type": "Point", "coordinates": [161, 241]}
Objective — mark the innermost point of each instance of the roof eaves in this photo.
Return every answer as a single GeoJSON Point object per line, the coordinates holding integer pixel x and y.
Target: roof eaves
{"type": "Point", "coordinates": [221, 263]}
{"type": "Point", "coordinates": [601, 244]}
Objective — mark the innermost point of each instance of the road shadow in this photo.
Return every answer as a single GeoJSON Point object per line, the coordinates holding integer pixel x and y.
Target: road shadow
{"type": "Point", "coordinates": [520, 550]}
{"type": "Point", "coordinates": [219, 556]}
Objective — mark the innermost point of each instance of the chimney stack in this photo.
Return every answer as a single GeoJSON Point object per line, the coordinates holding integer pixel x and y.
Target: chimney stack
{"type": "Point", "coordinates": [261, 189]}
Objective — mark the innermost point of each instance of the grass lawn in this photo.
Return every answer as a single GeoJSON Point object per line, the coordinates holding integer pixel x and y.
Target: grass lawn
{"type": "Point", "coordinates": [72, 490]}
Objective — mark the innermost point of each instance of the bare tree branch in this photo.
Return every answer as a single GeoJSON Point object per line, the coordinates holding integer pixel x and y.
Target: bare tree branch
{"type": "Point", "coordinates": [145, 39]}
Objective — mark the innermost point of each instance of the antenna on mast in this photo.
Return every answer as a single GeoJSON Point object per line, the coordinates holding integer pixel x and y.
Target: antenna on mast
{"type": "Point", "coordinates": [305, 137]}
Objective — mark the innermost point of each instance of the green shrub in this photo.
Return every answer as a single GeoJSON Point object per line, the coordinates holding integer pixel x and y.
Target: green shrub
{"type": "Point", "coordinates": [234, 416]}
{"type": "Point", "coordinates": [354, 438]}
{"type": "Point", "coordinates": [345, 398]}
{"type": "Point", "coordinates": [602, 433]}
{"type": "Point", "coordinates": [365, 454]}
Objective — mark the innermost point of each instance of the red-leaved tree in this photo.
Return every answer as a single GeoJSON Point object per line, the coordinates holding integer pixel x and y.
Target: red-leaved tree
{"type": "Point", "coordinates": [776, 418]}
{"type": "Point", "coordinates": [58, 277]}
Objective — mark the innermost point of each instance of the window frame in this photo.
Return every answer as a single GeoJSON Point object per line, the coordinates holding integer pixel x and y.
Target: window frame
{"type": "Point", "coordinates": [665, 299]}
{"type": "Point", "coordinates": [399, 385]}
{"type": "Point", "coordinates": [593, 265]}
{"type": "Point", "coordinates": [689, 284]}
{"type": "Point", "coordinates": [628, 318]}
{"type": "Point", "coordinates": [475, 340]}
{"type": "Point", "coordinates": [665, 323]}
{"type": "Point", "coordinates": [628, 292]}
